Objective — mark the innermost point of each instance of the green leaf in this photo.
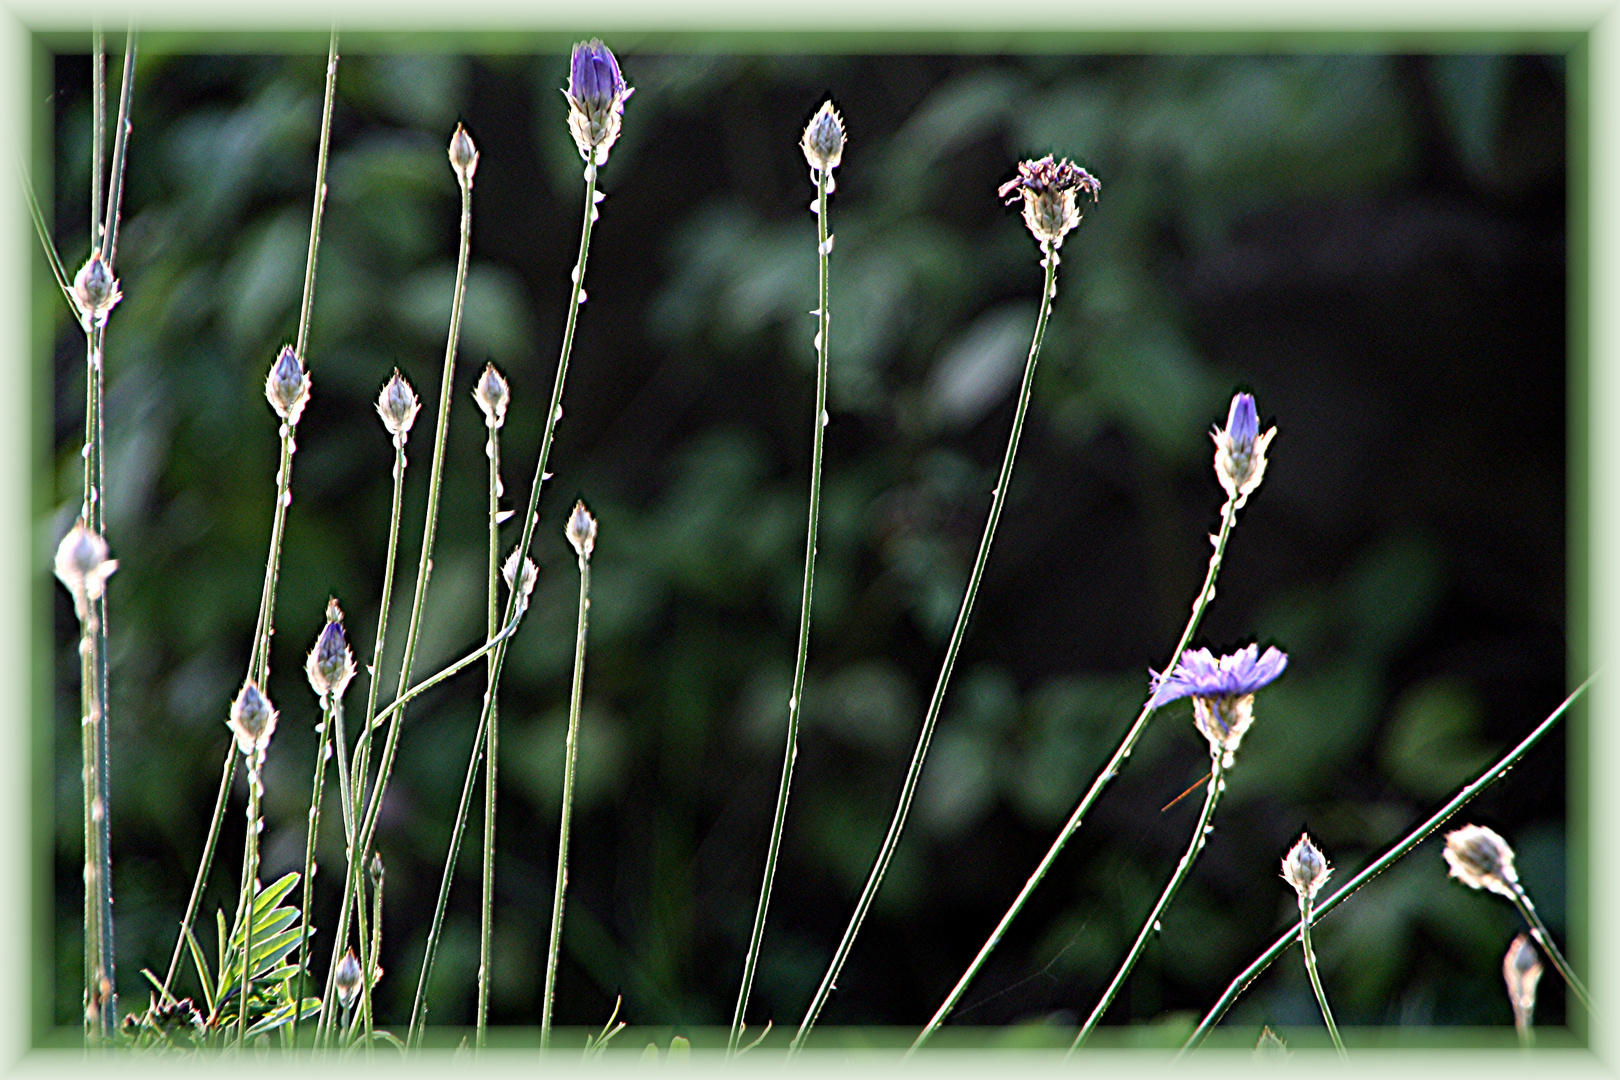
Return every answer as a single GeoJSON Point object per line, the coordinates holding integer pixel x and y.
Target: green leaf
{"type": "Point", "coordinates": [271, 895]}
{"type": "Point", "coordinates": [202, 968]}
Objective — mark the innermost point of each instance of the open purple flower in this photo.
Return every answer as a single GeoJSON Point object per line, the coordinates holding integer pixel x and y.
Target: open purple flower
{"type": "Point", "coordinates": [596, 95]}
{"type": "Point", "coordinates": [1222, 691]}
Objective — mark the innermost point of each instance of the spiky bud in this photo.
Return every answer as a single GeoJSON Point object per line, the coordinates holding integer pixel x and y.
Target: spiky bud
{"type": "Point", "coordinates": [492, 395]}
{"type": "Point", "coordinates": [1049, 189]}
{"type": "Point", "coordinates": [397, 405]}
{"type": "Point", "coordinates": [83, 566]}
{"type": "Point", "coordinates": [95, 290]}
{"type": "Point", "coordinates": [463, 156]}
{"type": "Point", "coordinates": [509, 571]}
{"type": "Point", "coordinates": [331, 663]}
{"type": "Point", "coordinates": [287, 386]}
{"type": "Point", "coordinates": [596, 95]}
{"type": "Point", "coordinates": [1521, 970]}
{"type": "Point", "coordinates": [347, 979]}
{"type": "Point", "coordinates": [581, 531]}
{"type": "Point", "coordinates": [252, 720]}
{"type": "Point", "coordinates": [1305, 868]}
{"type": "Point", "coordinates": [823, 141]}
{"type": "Point", "coordinates": [1481, 859]}
{"type": "Point", "coordinates": [376, 870]}
{"type": "Point", "coordinates": [1240, 450]}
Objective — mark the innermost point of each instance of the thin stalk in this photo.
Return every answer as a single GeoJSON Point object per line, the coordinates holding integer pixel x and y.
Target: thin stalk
{"type": "Point", "coordinates": [312, 834]}
{"type": "Point", "coordinates": [1316, 980]}
{"type": "Point", "coordinates": [250, 871]}
{"type": "Point", "coordinates": [492, 738]}
{"type": "Point", "coordinates": [796, 701]}
{"type": "Point", "coordinates": [1205, 594]}
{"type": "Point", "coordinates": [115, 188]}
{"type": "Point", "coordinates": [42, 229]}
{"type": "Point", "coordinates": [567, 802]}
{"type": "Point", "coordinates": [1544, 938]}
{"type": "Point", "coordinates": [374, 953]}
{"type": "Point", "coordinates": [98, 130]}
{"type": "Point", "coordinates": [1383, 862]}
{"type": "Point", "coordinates": [98, 982]}
{"type": "Point", "coordinates": [225, 777]}
{"type": "Point", "coordinates": [1200, 836]}
{"type": "Point", "coordinates": [908, 789]}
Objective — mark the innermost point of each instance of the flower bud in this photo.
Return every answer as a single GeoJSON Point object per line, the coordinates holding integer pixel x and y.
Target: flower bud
{"type": "Point", "coordinates": [287, 386]}
{"type": "Point", "coordinates": [530, 573]}
{"type": "Point", "coordinates": [252, 720]}
{"type": "Point", "coordinates": [1049, 189]}
{"type": "Point", "coordinates": [492, 395]}
{"type": "Point", "coordinates": [823, 141]}
{"type": "Point", "coordinates": [1521, 970]}
{"type": "Point", "coordinates": [581, 531]}
{"type": "Point", "coordinates": [376, 870]}
{"type": "Point", "coordinates": [1305, 868]}
{"type": "Point", "coordinates": [397, 405]}
{"type": "Point", "coordinates": [83, 566]}
{"type": "Point", "coordinates": [596, 95]}
{"type": "Point", "coordinates": [95, 290]}
{"type": "Point", "coordinates": [463, 156]}
{"type": "Point", "coordinates": [331, 663]}
{"type": "Point", "coordinates": [1271, 1046]}
{"type": "Point", "coordinates": [1481, 859]}
{"type": "Point", "coordinates": [347, 979]}
{"type": "Point", "coordinates": [1240, 450]}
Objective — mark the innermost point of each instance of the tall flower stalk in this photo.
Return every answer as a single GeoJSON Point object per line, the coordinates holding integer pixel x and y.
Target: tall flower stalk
{"type": "Point", "coordinates": [1049, 190]}
{"type": "Point", "coordinates": [253, 722]}
{"type": "Point", "coordinates": [582, 535]}
{"type": "Point", "coordinates": [823, 146]}
{"type": "Point", "coordinates": [1306, 869]}
{"type": "Point", "coordinates": [1240, 463]}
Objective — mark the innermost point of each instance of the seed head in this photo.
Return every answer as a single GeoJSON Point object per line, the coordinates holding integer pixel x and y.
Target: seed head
{"type": "Point", "coordinates": [823, 141]}
{"type": "Point", "coordinates": [95, 290]}
{"type": "Point", "coordinates": [1521, 970]}
{"type": "Point", "coordinates": [1049, 189]}
{"type": "Point", "coordinates": [581, 531]}
{"type": "Point", "coordinates": [1305, 868]}
{"type": "Point", "coordinates": [1240, 450]}
{"type": "Point", "coordinates": [287, 386]}
{"type": "Point", "coordinates": [252, 720]}
{"type": "Point", "coordinates": [492, 395]}
{"type": "Point", "coordinates": [397, 405]}
{"type": "Point", "coordinates": [596, 95]}
{"type": "Point", "coordinates": [331, 663]}
{"type": "Point", "coordinates": [1481, 859]}
{"type": "Point", "coordinates": [83, 566]}
{"type": "Point", "coordinates": [463, 156]}
{"type": "Point", "coordinates": [347, 979]}
{"type": "Point", "coordinates": [530, 573]}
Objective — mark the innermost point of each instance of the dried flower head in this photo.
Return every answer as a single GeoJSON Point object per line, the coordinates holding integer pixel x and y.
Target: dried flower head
{"type": "Point", "coordinates": [530, 573]}
{"type": "Point", "coordinates": [596, 95]}
{"type": "Point", "coordinates": [823, 141]}
{"type": "Point", "coordinates": [581, 530]}
{"type": "Point", "coordinates": [1222, 691]}
{"type": "Point", "coordinates": [331, 663]}
{"type": "Point", "coordinates": [252, 720]}
{"type": "Point", "coordinates": [83, 566]}
{"type": "Point", "coordinates": [1481, 859]}
{"type": "Point", "coordinates": [463, 156]}
{"type": "Point", "coordinates": [1305, 868]}
{"type": "Point", "coordinates": [347, 979]}
{"type": "Point", "coordinates": [492, 395]}
{"type": "Point", "coordinates": [1049, 189]}
{"type": "Point", "coordinates": [397, 405]}
{"type": "Point", "coordinates": [95, 290]}
{"type": "Point", "coordinates": [287, 386]}
{"type": "Point", "coordinates": [1521, 970]}
{"type": "Point", "coordinates": [1240, 450]}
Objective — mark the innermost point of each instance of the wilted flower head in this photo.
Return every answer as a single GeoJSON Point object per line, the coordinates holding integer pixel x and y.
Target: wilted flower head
{"type": "Point", "coordinates": [252, 720]}
{"type": "Point", "coordinates": [1481, 859]}
{"type": "Point", "coordinates": [596, 95]}
{"type": "Point", "coordinates": [347, 979]}
{"type": "Point", "coordinates": [530, 572]}
{"type": "Point", "coordinates": [331, 664]}
{"type": "Point", "coordinates": [95, 290]}
{"type": "Point", "coordinates": [1049, 189]}
{"type": "Point", "coordinates": [397, 405]}
{"type": "Point", "coordinates": [1240, 449]}
{"type": "Point", "coordinates": [823, 141]}
{"type": "Point", "coordinates": [1521, 970]}
{"type": "Point", "coordinates": [83, 566]}
{"type": "Point", "coordinates": [492, 395]}
{"type": "Point", "coordinates": [1305, 868]}
{"type": "Point", "coordinates": [287, 386]}
{"type": "Point", "coordinates": [463, 156]}
{"type": "Point", "coordinates": [581, 530]}
{"type": "Point", "coordinates": [1222, 691]}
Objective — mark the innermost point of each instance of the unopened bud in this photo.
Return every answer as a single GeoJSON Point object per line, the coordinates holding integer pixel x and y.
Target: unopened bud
{"type": "Point", "coordinates": [397, 405]}
{"type": "Point", "coordinates": [596, 95]}
{"type": "Point", "coordinates": [95, 290]}
{"type": "Point", "coordinates": [509, 571]}
{"type": "Point", "coordinates": [1481, 859]}
{"type": "Point", "coordinates": [581, 530]}
{"type": "Point", "coordinates": [376, 870]}
{"type": "Point", "coordinates": [463, 156]}
{"type": "Point", "coordinates": [1521, 970]}
{"type": "Point", "coordinates": [492, 395]}
{"type": "Point", "coordinates": [1271, 1046]}
{"type": "Point", "coordinates": [1240, 450]}
{"type": "Point", "coordinates": [1305, 868]}
{"type": "Point", "coordinates": [347, 979]}
{"type": "Point", "coordinates": [83, 566]}
{"type": "Point", "coordinates": [823, 141]}
{"type": "Point", "coordinates": [287, 386]}
{"type": "Point", "coordinates": [252, 720]}
{"type": "Point", "coordinates": [331, 663]}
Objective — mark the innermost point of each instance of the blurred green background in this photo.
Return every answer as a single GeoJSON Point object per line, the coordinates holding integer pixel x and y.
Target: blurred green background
{"type": "Point", "coordinates": [1374, 245]}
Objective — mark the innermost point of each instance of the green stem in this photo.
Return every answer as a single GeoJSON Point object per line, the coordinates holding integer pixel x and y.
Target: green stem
{"type": "Point", "coordinates": [225, 777]}
{"type": "Point", "coordinates": [312, 834]}
{"type": "Point", "coordinates": [567, 801]}
{"type": "Point", "coordinates": [250, 871]}
{"type": "Point", "coordinates": [1111, 770]}
{"type": "Point", "coordinates": [796, 700]}
{"type": "Point", "coordinates": [1217, 784]}
{"type": "Point", "coordinates": [492, 739]}
{"type": "Point", "coordinates": [1316, 980]}
{"type": "Point", "coordinates": [1383, 862]}
{"type": "Point", "coordinates": [115, 179]}
{"type": "Point", "coordinates": [98, 130]}
{"type": "Point", "coordinates": [1544, 938]}
{"type": "Point", "coordinates": [908, 789]}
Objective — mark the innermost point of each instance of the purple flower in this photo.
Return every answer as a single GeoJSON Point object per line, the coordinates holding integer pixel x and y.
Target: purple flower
{"type": "Point", "coordinates": [287, 386]}
{"type": "Point", "coordinates": [1222, 691]}
{"type": "Point", "coordinates": [1240, 449]}
{"type": "Point", "coordinates": [596, 95]}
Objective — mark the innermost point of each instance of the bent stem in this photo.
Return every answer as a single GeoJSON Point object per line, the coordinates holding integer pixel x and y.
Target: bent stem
{"type": "Point", "coordinates": [908, 789]}
{"type": "Point", "coordinates": [1217, 784]}
{"type": "Point", "coordinates": [491, 740]}
{"type": "Point", "coordinates": [1205, 594]}
{"type": "Point", "coordinates": [1316, 980]}
{"type": "Point", "coordinates": [567, 801]}
{"type": "Point", "coordinates": [1383, 862]}
{"type": "Point", "coordinates": [1544, 938]}
{"type": "Point", "coordinates": [796, 701]}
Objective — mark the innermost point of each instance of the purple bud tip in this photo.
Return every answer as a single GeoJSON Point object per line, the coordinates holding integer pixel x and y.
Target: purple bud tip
{"type": "Point", "coordinates": [594, 79]}
{"type": "Point", "coordinates": [1242, 422]}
